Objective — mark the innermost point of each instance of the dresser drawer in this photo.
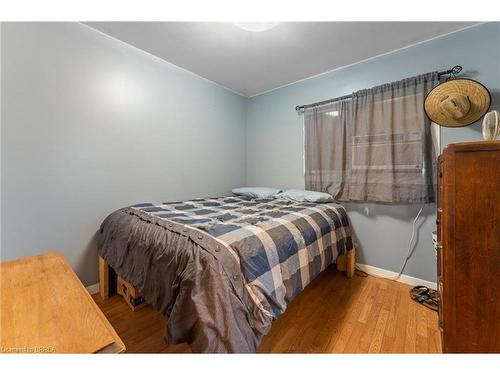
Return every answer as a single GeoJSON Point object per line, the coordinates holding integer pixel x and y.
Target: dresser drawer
{"type": "Point", "coordinates": [469, 251]}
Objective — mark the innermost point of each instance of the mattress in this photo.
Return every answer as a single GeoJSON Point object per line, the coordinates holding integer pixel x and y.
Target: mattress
{"type": "Point", "coordinates": [222, 269]}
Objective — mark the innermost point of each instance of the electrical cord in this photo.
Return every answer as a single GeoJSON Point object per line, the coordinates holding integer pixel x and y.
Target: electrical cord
{"type": "Point", "coordinates": [408, 254]}
{"type": "Point", "coordinates": [410, 247]}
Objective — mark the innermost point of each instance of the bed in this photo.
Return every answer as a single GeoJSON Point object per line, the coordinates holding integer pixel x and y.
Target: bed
{"type": "Point", "coordinates": [222, 269]}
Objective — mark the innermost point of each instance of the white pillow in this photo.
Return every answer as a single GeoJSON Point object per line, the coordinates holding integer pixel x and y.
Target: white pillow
{"type": "Point", "coordinates": [256, 192]}
{"type": "Point", "coordinates": [305, 196]}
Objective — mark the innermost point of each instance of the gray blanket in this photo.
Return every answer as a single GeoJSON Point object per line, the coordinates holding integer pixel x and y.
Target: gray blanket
{"type": "Point", "coordinates": [223, 269]}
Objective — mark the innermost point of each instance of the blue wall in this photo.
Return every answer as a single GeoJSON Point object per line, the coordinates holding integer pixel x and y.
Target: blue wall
{"type": "Point", "coordinates": [275, 136]}
{"type": "Point", "coordinates": [91, 124]}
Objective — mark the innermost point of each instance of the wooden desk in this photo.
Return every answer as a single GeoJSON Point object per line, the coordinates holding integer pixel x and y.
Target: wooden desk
{"type": "Point", "coordinates": [46, 309]}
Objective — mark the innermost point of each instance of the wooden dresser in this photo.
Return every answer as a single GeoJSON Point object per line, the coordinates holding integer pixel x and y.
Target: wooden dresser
{"type": "Point", "coordinates": [469, 247]}
{"type": "Point", "coordinates": [46, 309]}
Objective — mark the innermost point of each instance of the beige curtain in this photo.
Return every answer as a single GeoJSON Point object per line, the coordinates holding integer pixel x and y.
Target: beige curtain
{"type": "Point", "coordinates": [328, 148]}
{"type": "Point", "coordinates": [375, 146]}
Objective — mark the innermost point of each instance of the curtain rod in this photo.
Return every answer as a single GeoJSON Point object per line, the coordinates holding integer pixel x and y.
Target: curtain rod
{"type": "Point", "coordinates": [453, 71]}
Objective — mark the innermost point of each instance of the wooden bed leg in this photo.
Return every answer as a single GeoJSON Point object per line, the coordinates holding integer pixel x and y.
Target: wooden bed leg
{"type": "Point", "coordinates": [103, 278]}
{"type": "Point", "coordinates": [347, 263]}
{"type": "Point", "coordinates": [350, 263]}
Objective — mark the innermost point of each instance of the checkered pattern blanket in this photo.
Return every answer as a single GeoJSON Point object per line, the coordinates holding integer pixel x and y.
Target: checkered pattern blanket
{"type": "Point", "coordinates": [279, 245]}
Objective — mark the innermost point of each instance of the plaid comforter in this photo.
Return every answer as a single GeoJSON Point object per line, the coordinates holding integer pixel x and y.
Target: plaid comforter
{"type": "Point", "coordinates": [279, 245]}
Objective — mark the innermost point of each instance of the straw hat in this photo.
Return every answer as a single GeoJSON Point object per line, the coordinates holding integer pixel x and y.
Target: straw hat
{"type": "Point", "coordinates": [457, 102]}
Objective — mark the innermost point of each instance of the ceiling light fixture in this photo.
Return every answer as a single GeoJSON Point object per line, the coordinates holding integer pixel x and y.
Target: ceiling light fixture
{"type": "Point", "coordinates": [256, 26]}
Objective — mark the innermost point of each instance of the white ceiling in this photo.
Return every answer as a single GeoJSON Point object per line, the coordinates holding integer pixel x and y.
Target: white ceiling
{"type": "Point", "coordinates": [251, 63]}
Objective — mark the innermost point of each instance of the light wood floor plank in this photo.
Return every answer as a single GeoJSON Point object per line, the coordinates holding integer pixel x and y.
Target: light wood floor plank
{"type": "Point", "coordinates": [332, 315]}
{"type": "Point", "coordinates": [411, 327]}
{"type": "Point", "coordinates": [378, 334]}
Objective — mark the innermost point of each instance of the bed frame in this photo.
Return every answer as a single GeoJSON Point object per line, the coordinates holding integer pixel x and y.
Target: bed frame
{"type": "Point", "coordinates": [108, 278]}
{"type": "Point", "coordinates": [347, 262]}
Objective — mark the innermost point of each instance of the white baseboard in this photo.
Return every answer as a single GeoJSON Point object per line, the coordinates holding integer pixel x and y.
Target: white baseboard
{"type": "Point", "coordinates": [405, 279]}
{"type": "Point", "coordinates": [93, 289]}
{"type": "Point", "coordinates": [371, 270]}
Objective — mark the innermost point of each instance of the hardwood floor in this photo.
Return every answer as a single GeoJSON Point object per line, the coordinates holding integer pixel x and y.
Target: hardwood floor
{"type": "Point", "coordinates": [332, 315]}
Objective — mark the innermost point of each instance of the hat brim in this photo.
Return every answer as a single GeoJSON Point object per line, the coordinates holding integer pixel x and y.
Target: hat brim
{"type": "Point", "coordinates": [478, 94]}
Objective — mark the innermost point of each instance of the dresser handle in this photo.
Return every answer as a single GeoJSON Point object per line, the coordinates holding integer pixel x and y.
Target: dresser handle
{"type": "Point", "coordinates": [440, 210]}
